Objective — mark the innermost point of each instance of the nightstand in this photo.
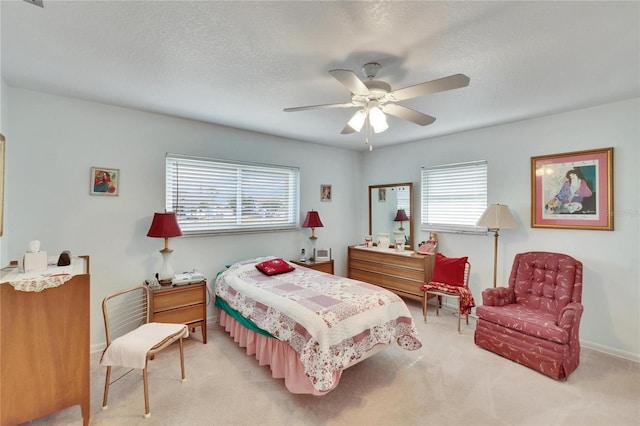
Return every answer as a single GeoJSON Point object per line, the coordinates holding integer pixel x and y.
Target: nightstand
{"type": "Point", "coordinates": [184, 304]}
{"type": "Point", "coordinates": [323, 266]}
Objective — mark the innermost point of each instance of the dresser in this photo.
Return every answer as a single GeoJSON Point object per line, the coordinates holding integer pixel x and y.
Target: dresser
{"type": "Point", "coordinates": [402, 274]}
{"type": "Point", "coordinates": [184, 304]}
{"type": "Point", "coordinates": [44, 346]}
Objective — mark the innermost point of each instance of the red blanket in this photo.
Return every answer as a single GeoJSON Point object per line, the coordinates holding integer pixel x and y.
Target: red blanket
{"type": "Point", "coordinates": [466, 298]}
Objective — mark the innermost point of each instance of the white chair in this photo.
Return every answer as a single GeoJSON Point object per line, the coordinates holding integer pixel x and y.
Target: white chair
{"type": "Point", "coordinates": [132, 340]}
{"type": "Point", "coordinates": [440, 293]}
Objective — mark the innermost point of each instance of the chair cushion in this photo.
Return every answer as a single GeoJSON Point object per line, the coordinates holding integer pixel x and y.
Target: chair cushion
{"type": "Point", "coordinates": [449, 270]}
{"type": "Point", "coordinates": [274, 267]}
{"type": "Point", "coordinates": [131, 349]}
{"type": "Point", "coordinates": [532, 322]}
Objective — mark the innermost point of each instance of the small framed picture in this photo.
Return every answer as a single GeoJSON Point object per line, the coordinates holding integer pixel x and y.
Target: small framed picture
{"type": "Point", "coordinates": [104, 181]}
{"type": "Point", "coordinates": [382, 195]}
{"type": "Point", "coordinates": [325, 192]}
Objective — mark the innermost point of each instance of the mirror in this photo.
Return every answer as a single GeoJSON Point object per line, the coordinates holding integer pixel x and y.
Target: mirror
{"type": "Point", "coordinates": [384, 203]}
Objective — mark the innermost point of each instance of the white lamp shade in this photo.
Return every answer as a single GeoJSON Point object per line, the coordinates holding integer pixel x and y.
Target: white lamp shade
{"type": "Point", "coordinates": [378, 120]}
{"type": "Point", "coordinates": [357, 120]}
{"type": "Point", "coordinates": [497, 216]}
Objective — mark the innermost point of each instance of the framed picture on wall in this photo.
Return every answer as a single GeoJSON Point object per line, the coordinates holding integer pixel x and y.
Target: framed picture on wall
{"type": "Point", "coordinates": [573, 190]}
{"type": "Point", "coordinates": [104, 181]}
{"type": "Point", "coordinates": [325, 192]}
{"type": "Point", "coordinates": [382, 195]}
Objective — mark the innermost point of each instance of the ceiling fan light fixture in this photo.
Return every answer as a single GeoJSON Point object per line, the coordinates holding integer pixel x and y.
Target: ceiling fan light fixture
{"type": "Point", "coordinates": [358, 119]}
{"type": "Point", "coordinates": [378, 120]}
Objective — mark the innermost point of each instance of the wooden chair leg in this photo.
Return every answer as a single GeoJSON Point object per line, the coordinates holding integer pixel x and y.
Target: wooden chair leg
{"type": "Point", "coordinates": [106, 389]}
{"type": "Point", "coordinates": [459, 315]}
{"type": "Point", "coordinates": [424, 306]}
{"type": "Point", "coordinates": [182, 359]}
{"type": "Point", "coordinates": [145, 378]}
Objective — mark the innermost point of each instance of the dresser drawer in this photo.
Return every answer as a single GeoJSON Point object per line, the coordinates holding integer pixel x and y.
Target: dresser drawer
{"type": "Point", "coordinates": [408, 273]}
{"type": "Point", "coordinates": [366, 276]}
{"type": "Point", "coordinates": [189, 314]}
{"type": "Point", "coordinates": [177, 297]}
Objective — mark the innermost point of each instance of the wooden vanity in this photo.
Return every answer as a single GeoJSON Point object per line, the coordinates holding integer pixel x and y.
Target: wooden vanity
{"type": "Point", "coordinates": [400, 273]}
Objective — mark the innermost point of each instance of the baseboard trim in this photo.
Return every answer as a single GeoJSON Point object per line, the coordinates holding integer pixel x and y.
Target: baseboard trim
{"type": "Point", "coordinates": [613, 352]}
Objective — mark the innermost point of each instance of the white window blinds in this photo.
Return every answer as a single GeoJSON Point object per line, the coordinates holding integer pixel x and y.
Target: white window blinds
{"type": "Point", "coordinates": [454, 196]}
{"type": "Point", "coordinates": [217, 196]}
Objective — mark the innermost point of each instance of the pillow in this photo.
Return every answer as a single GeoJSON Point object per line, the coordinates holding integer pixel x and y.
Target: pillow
{"type": "Point", "coordinates": [274, 267]}
{"type": "Point", "coordinates": [449, 270]}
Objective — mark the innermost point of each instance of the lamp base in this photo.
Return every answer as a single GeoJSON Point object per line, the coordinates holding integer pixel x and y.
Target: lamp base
{"type": "Point", "coordinates": [165, 276]}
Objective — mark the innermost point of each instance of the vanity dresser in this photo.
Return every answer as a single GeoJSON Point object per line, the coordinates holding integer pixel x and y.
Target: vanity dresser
{"type": "Point", "coordinates": [401, 273]}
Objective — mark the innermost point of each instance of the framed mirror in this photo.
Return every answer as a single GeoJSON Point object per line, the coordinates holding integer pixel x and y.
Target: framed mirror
{"type": "Point", "coordinates": [385, 205]}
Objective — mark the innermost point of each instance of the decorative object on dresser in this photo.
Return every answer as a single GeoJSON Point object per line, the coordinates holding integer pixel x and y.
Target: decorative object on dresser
{"type": "Point", "coordinates": [450, 280]}
{"type": "Point", "coordinates": [535, 321]}
{"type": "Point", "coordinates": [401, 273]}
{"type": "Point", "coordinates": [185, 304]}
{"type": "Point", "coordinates": [312, 221]}
{"type": "Point", "coordinates": [318, 265]}
{"type": "Point", "coordinates": [44, 341]}
{"type": "Point", "coordinates": [165, 225]}
{"type": "Point", "coordinates": [494, 218]}
{"type": "Point", "coordinates": [132, 339]}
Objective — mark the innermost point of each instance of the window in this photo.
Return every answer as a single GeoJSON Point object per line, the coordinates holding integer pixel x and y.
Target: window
{"type": "Point", "coordinates": [454, 196]}
{"type": "Point", "coordinates": [216, 196]}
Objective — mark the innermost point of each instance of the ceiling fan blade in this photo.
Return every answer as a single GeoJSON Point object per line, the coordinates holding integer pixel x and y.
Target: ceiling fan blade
{"type": "Point", "coordinates": [408, 114]}
{"type": "Point", "coordinates": [455, 81]}
{"type": "Point", "coordinates": [303, 108]}
{"type": "Point", "coordinates": [351, 81]}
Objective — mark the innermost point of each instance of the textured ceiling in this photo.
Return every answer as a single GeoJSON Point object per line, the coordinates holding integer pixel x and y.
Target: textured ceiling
{"type": "Point", "coordinates": [240, 63]}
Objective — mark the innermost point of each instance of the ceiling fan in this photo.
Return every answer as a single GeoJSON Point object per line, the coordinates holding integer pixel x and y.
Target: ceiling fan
{"type": "Point", "coordinates": [375, 98]}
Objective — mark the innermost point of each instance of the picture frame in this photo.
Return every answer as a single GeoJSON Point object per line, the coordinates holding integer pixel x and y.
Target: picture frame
{"type": "Point", "coordinates": [104, 181]}
{"type": "Point", "coordinates": [2, 145]}
{"type": "Point", "coordinates": [325, 193]}
{"type": "Point", "coordinates": [573, 190]}
{"type": "Point", "coordinates": [382, 195]}
{"type": "Point", "coordinates": [321, 254]}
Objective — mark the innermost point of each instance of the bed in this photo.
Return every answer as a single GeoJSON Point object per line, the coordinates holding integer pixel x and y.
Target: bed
{"type": "Point", "coordinates": [307, 325]}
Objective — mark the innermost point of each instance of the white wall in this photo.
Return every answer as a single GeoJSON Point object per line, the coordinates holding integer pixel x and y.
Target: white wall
{"type": "Point", "coordinates": [56, 140]}
{"type": "Point", "coordinates": [611, 295]}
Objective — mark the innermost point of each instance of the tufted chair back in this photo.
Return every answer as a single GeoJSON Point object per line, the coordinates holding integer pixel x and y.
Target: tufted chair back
{"type": "Point", "coordinates": [545, 281]}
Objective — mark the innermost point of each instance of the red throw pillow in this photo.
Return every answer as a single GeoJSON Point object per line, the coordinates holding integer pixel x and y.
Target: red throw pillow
{"type": "Point", "coordinates": [449, 270]}
{"type": "Point", "coordinates": [274, 267]}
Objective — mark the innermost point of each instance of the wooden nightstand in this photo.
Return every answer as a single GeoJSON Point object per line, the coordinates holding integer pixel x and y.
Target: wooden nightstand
{"type": "Point", "coordinates": [324, 266]}
{"type": "Point", "coordinates": [185, 304]}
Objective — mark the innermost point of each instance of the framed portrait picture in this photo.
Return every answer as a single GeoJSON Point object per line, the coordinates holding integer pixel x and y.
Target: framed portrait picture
{"type": "Point", "coordinates": [104, 181]}
{"type": "Point", "coordinates": [325, 192]}
{"type": "Point", "coordinates": [382, 195]}
{"type": "Point", "coordinates": [573, 190]}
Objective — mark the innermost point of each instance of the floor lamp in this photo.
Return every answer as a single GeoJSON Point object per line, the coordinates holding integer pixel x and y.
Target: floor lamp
{"type": "Point", "coordinates": [495, 218]}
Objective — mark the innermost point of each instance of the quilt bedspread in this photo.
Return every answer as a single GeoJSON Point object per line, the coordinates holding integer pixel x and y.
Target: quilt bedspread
{"type": "Point", "coordinates": [330, 321]}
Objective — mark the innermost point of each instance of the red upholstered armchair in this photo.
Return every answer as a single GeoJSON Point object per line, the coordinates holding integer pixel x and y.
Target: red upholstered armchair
{"type": "Point", "coordinates": [536, 320]}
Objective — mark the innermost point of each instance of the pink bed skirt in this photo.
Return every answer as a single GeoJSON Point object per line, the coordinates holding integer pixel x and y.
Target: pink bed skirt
{"type": "Point", "coordinates": [281, 358]}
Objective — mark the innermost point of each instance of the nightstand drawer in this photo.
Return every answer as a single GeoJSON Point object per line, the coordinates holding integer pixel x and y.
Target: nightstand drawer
{"type": "Point", "coordinates": [186, 315]}
{"type": "Point", "coordinates": [178, 297]}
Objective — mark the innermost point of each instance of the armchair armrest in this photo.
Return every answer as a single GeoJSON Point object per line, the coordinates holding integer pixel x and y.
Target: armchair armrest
{"type": "Point", "coordinates": [570, 315]}
{"type": "Point", "coordinates": [498, 296]}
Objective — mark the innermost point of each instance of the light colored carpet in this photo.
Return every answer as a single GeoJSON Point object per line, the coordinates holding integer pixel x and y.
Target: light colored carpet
{"type": "Point", "coordinates": [449, 381]}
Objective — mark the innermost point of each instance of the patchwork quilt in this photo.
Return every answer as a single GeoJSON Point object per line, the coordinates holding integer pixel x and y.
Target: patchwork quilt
{"type": "Point", "coordinates": [330, 321]}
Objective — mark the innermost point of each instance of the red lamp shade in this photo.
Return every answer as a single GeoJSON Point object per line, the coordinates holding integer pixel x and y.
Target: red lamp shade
{"type": "Point", "coordinates": [401, 216]}
{"type": "Point", "coordinates": [312, 221]}
{"type": "Point", "coordinates": [164, 225]}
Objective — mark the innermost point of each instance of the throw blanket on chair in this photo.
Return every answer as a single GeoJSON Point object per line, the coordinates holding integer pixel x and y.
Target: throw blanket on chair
{"type": "Point", "coordinates": [466, 298]}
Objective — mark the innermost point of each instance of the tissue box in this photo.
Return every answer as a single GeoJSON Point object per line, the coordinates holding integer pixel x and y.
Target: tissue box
{"type": "Point", "coordinates": [34, 262]}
